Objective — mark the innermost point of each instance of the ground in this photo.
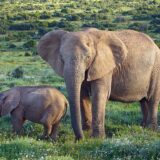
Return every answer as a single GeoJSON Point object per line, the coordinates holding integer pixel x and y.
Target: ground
{"type": "Point", "coordinates": [22, 24]}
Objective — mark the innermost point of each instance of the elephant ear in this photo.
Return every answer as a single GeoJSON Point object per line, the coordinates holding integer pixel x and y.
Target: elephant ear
{"type": "Point", "coordinates": [110, 52]}
{"type": "Point", "coordinates": [2, 97]}
{"type": "Point", "coordinates": [49, 49]}
{"type": "Point", "coordinates": [10, 102]}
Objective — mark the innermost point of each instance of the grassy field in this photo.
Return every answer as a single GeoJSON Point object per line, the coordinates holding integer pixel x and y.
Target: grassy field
{"type": "Point", "coordinates": [22, 23]}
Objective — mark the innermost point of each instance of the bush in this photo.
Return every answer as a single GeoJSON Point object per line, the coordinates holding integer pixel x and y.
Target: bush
{"type": "Point", "coordinates": [155, 20]}
{"type": "Point", "coordinates": [27, 54]}
{"type": "Point", "coordinates": [29, 44]}
{"type": "Point", "coordinates": [141, 17]}
{"type": "Point", "coordinates": [158, 43]}
{"type": "Point", "coordinates": [22, 26]}
{"type": "Point", "coordinates": [3, 26]}
{"type": "Point", "coordinates": [57, 14]}
{"type": "Point", "coordinates": [65, 10]}
{"type": "Point", "coordinates": [18, 36]}
{"type": "Point", "coordinates": [41, 23]}
{"type": "Point", "coordinates": [72, 17]}
{"type": "Point", "coordinates": [45, 15]}
{"type": "Point", "coordinates": [61, 24]}
{"type": "Point", "coordinates": [16, 73]}
{"type": "Point", "coordinates": [100, 25]}
{"type": "Point", "coordinates": [52, 24]}
{"type": "Point", "coordinates": [34, 52]}
{"type": "Point", "coordinates": [157, 29]}
{"type": "Point", "coordinates": [42, 31]}
{"type": "Point", "coordinates": [120, 19]}
{"type": "Point", "coordinates": [17, 17]}
{"type": "Point", "coordinates": [139, 26]}
{"type": "Point", "coordinates": [12, 46]}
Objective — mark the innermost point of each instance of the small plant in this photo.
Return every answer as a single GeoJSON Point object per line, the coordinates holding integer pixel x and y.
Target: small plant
{"type": "Point", "coordinates": [42, 31]}
{"type": "Point", "coordinates": [29, 44]}
{"type": "Point", "coordinates": [12, 46]}
{"type": "Point", "coordinates": [26, 54]}
{"type": "Point", "coordinates": [45, 15]}
{"type": "Point", "coordinates": [72, 18]}
{"type": "Point", "coordinates": [34, 52]}
{"type": "Point", "coordinates": [16, 73]}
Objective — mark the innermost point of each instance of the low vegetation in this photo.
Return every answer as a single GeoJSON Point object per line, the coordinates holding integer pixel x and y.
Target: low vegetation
{"type": "Point", "coordinates": [22, 23]}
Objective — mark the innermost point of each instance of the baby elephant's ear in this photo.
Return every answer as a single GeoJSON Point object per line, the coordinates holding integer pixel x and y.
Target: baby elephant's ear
{"type": "Point", "coordinates": [11, 101]}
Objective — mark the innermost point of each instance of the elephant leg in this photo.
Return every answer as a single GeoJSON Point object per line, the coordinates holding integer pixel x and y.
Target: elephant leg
{"type": "Point", "coordinates": [152, 113]}
{"type": "Point", "coordinates": [86, 111]}
{"type": "Point", "coordinates": [54, 131]}
{"type": "Point", "coordinates": [47, 124]}
{"type": "Point", "coordinates": [17, 121]}
{"type": "Point", "coordinates": [144, 109]}
{"type": "Point", "coordinates": [153, 101]}
{"type": "Point", "coordinates": [100, 91]}
{"type": "Point", "coordinates": [46, 132]}
{"type": "Point", "coordinates": [154, 96]}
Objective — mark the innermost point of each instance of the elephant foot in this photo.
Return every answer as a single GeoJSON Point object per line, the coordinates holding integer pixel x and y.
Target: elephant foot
{"type": "Point", "coordinates": [97, 134]}
{"type": "Point", "coordinates": [153, 127]}
{"type": "Point", "coordinates": [86, 127]}
{"type": "Point", "coordinates": [43, 137]}
{"type": "Point", "coordinates": [79, 138]}
{"type": "Point", "coordinates": [143, 124]}
{"type": "Point", "coordinates": [53, 137]}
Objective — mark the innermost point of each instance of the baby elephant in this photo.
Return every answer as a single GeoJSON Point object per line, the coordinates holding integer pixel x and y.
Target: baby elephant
{"type": "Point", "coordinates": [39, 104]}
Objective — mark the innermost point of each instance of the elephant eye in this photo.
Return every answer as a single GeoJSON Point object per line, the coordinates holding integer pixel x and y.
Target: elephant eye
{"type": "Point", "coordinates": [88, 57]}
{"type": "Point", "coordinates": [88, 44]}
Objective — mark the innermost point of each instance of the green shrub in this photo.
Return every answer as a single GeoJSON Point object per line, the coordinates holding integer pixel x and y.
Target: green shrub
{"type": "Point", "coordinates": [3, 25]}
{"type": "Point", "coordinates": [139, 26]}
{"type": "Point", "coordinates": [57, 14]}
{"type": "Point", "coordinates": [22, 26]}
{"type": "Point", "coordinates": [45, 15]}
{"type": "Point", "coordinates": [34, 52]}
{"type": "Point", "coordinates": [18, 17]}
{"type": "Point", "coordinates": [42, 31]}
{"type": "Point", "coordinates": [16, 73]}
{"type": "Point", "coordinates": [158, 43]}
{"type": "Point", "coordinates": [66, 10]}
{"type": "Point", "coordinates": [29, 44]}
{"type": "Point", "coordinates": [41, 23]}
{"type": "Point", "coordinates": [26, 54]}
{"type": "Point", "coordinates": [12, 46]}
{"type": "Point", "coordinates": [120, 19]}
{"type": "Point", "coordinates": [52, 24]}
{"type": "Point", "coordinates": [72, 17]}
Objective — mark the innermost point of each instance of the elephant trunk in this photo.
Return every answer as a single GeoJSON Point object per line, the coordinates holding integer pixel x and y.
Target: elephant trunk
{"type": "Point", "coordinates": [73, 81]}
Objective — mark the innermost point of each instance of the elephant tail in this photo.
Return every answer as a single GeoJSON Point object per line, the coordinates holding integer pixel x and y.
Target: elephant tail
{"type": "Point", "coordinates": [65, 110]}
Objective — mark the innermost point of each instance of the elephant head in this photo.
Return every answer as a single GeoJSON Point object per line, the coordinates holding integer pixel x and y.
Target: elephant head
{"type": "Point", "coordinates": [78, 56]}
{"type": "Point", "coordinates": [9, 100]}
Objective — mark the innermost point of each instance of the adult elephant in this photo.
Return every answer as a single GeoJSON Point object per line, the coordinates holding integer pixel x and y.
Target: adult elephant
{"type": "Point", "coordinates": [120, 65]}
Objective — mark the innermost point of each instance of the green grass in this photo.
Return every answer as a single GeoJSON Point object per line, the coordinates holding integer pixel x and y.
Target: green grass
{"type": "Point", "coordinates": [125, 139]}
{"type": "Point", "coordinates": [35, 71]}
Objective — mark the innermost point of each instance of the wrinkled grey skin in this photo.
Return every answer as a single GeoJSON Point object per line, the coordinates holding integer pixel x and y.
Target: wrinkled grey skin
{"type": "Point", "coordinates": [40, 104]}
{"type": "Point", "coordinates": [120, 65]}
